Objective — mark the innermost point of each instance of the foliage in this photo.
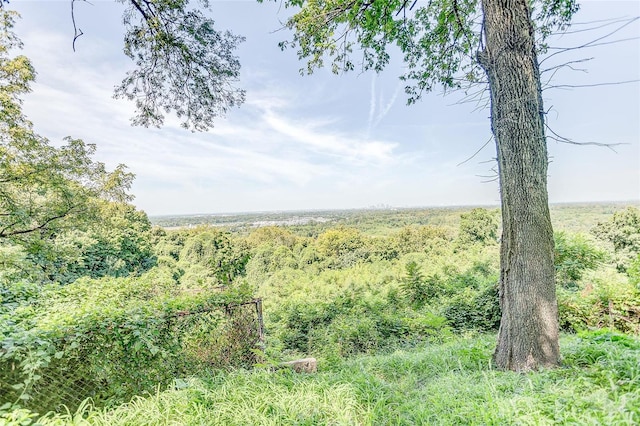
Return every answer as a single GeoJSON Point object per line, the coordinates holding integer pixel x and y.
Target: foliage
{"type": "Point", "coordinates": [634, 272]}
{"type": "Point", "coordinates": [416, 239]}
{"type": "Point", "coordinates": [318, 301]}
{"type": "Point", "coordinates": [417, 289]}
{"type": "Point", "coordinates": [345, 245]}
{"type": "Point", "coordinates": [479, 226]}
{"type": "Point", "coordinates": [118, 244]}
{"type": "Point", "coordinates": [351, 323]}
{"type": "Point", "coordinates": [210, 257]}
{"type": "Point", "coordinates": [413, 284]}
{"type": "Point", "coordinates": [336, 308]}
{"type": "Point", "coordinates": [439, 40]}
{"type": "Point", "coordinates": [607, 299]}
{"type": "Point", "coordinates": [44, 190]}
{"type": "Point", "coordinates": [203, 257]}
{"type": "Point", "coordinates": [40, 184]}
{"type": "Point", "coordinates": [450, 383]}
{"type": "Point", "coordinates": [18, 280]}
{"type": "Point", "coordinates": [183, 64]}
{"type": "Point", "coordinates": [471, 309]}
{"type": "Point", "coordinates": [469, 297]}
{"type": "Point", "coordinates": [623, 232]}
{"type": "Point", "coordinates": [433, 40]}
{"type": "Point", "coordinates": [272, 235]}
{"type": "Point", "coordinates": [113, 338]}
{"type": "Point", "coordinates": [574, 255]}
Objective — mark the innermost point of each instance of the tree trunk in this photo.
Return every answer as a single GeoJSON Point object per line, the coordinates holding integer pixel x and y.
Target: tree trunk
{"type": "Point", "coordinates": [528, 336]}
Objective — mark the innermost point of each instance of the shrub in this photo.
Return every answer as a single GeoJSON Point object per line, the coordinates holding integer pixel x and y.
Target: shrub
{"type": "Point", "coordinates": [477, 276]}
{"type": "Point", "coordinates": [351, 323]}
{"type": "Point", "coordinates": [472, 309]}
{"type": "Point", "coordinates": [574, 255]}
{"type": "Point", "coordinates": [417, 289]}
{"type": "Point", "coordinates": [113, 338]}
{"type": "Point", "coordinates": [478, 226]}
{"type": "Point", "coordinates": [623, 232]}
{"type": "Point", "coordinates": [607, 300]}
{"type": "Point", "coordinates": [634, 272]}
{"type": "Point", "coordinates": [419, 239]}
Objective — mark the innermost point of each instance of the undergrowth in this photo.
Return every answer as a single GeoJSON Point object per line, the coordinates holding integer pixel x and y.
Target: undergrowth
{"type": "Point", "coordinates": [446, 384]}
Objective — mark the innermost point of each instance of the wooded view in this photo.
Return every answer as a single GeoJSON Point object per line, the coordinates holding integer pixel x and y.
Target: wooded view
{"type": "Point", "coordinates": [522, 313]}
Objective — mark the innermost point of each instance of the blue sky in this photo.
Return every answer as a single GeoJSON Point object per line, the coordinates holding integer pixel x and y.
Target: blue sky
{"type": "Point", "coordinates": [325, 141]}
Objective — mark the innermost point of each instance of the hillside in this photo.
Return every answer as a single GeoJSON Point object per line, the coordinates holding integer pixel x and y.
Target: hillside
{"type": "Point", "coordinates": [191, 319]}
{"type": "Point", "coordinates": [435, 384]}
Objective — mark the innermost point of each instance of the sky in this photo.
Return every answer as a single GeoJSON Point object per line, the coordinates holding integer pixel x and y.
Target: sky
{"type": "Point", "coordinates": [325, 141]}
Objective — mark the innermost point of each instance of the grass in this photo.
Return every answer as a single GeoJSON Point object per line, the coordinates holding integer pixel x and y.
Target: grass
{"type": "Point", "coordinates": [447, 384]}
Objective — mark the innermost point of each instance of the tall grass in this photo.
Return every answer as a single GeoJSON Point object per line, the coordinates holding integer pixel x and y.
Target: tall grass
{"type": "Point", "coordinates": [447, 384]}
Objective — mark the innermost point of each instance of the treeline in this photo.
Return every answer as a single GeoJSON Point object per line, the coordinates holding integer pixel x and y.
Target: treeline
{"type": "Point", "coordinates": [574, 217]}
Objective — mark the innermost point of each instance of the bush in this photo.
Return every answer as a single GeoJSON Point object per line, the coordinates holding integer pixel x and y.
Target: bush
{"type": "Point", "coordinates": [574, 255]}
{"type": "Point", "coordinates": [478, 226]}
{"type": "Point", "coordinates": [474, 309]}
{"type": "Point", "coordinates": [351, 323]}
{"type": "Point", "coordinates": [417, 289]}
{"type": "Point", "coordinates": [419, 239]}
{"type": "Point", "coordinates": [113, 338]}
{"type": "Point", "coordinates": [479, 275]}
{"type": "Point", "coordinates": [623, 232]}
{"type": "Point", "coordinates": [634, 272]}
{"type": "Point", "coordinates": [608, 300]}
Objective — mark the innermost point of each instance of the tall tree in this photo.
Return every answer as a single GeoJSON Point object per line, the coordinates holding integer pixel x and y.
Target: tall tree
{"type": "Point", "coordinates": [43, 188]}
{"type": "Point", "coordinates": [453, 43]}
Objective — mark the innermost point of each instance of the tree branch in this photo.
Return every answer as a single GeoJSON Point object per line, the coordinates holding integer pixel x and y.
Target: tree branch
{"type": "Point", "coordinates": [477, 152]}
{"type": "Point", "coordinates": [556, 137]}
{"type": "Point", "coordinates": [574, 86]}
{"type": "Point", "coordinates": [42, 226]}
{"type": "Point", "coordinates": [77, 32]}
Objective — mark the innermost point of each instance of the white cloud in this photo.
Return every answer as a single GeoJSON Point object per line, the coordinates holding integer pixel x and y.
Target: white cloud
{"type": "Point", "coordinates": [260, 144]}
{"type": "Point", "coordinates": [379, 110]}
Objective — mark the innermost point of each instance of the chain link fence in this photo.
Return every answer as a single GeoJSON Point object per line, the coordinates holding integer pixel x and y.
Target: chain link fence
{"type": "Point", "coordinates": [112, 365]}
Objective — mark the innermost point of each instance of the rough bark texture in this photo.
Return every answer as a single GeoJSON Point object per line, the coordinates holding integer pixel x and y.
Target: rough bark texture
{"type": "Point", "coordinates": [528, 336]}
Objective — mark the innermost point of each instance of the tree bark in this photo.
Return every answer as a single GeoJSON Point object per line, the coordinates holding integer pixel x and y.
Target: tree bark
{"type": "Point", "coordinates": [528, 336]}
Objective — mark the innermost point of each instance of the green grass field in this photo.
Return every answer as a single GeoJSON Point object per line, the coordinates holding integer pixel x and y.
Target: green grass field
{"type": "Point", "coordinates": [451, 383]}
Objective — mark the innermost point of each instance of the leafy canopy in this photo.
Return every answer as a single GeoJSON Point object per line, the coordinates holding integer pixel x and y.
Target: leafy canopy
{"type": "Point", "coordinates": [183, 64]}
{"type": "Point", "coordinates": [43, 188]}
{"type": "Point", "coordinates": [479, 226]}
{"type": "Point", "coordinates": [439, 40]}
